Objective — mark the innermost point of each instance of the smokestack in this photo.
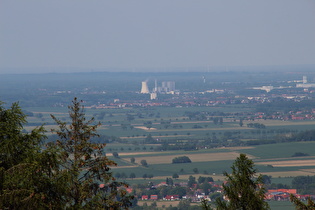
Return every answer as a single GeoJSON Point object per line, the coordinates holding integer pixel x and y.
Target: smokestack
{"type": "Point", "coordinates": [155, 86]}
{"type": "Point", "coordinates": [144, 87]}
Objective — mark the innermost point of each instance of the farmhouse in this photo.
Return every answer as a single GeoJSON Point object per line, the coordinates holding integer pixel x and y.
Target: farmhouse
{"type": "Point", "coordinates": [153, 197]}
{"type": "Point", "coordinates": [145, 197]}
{"type": "Point", "coordinates": [171, 197]}
{"type": "Point", "coordinates": [280, 194]}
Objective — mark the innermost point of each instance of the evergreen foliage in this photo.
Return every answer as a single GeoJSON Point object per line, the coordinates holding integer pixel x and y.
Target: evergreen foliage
{"type": "Point", "coordinates": [89, 182]}
{"type": "Point", "coordinates": [244, 190]}
{"type": "Point", "coordinates": [299, 205]}
{"type": "Point", "coordinates": [27, 170]}
{"type": "Point", "coordinates": [205, 205]}
{"type": "Point", "coordinates": [71, 173]}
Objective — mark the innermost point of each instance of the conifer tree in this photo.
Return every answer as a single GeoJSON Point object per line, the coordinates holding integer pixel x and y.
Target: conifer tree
{"type": "Point", "coordinates": [299, 205]}
{"type": "Point", "coordinates": [205, 205]}
{"type": "Point", "coordinates": [89, 182]}
{"type": "Point", "coordinates": [244, 189]}
{"type": "Point", "coordinates": [27, 169]}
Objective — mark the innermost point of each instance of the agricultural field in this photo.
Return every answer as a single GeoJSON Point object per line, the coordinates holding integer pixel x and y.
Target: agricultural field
{"type": "Point", "coordinates": [173, 125]}
{"type": "Point", "coordinates": [214, 161]}
{"type": "Point", "coordinates": [170, 123]}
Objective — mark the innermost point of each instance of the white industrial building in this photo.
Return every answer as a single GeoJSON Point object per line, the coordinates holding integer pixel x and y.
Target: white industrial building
{"type": "Point", "coordinates": [144, 87]}
{"type": "Point", "coordinates": [305, 84]}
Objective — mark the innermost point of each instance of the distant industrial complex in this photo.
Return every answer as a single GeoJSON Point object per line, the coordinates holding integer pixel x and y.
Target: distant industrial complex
{"type": "Point", "coordinates": [299, 84]}
{"type": "Point", "coordinates": [167, 87]}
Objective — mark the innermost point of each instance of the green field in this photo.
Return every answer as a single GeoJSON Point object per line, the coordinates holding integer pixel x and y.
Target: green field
{"type": "Point", "coordinates": [281, 150]}
{"type": "Point", "coordinates": [281, 205]}
{"type": "Point", "coordinates": [214, 168]}
{"type": "Point", "coordinates": [171, 124]}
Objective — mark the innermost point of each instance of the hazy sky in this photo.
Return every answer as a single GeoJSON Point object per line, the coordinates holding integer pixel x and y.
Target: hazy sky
{"type": "Point", "coordinates": [37, 35]}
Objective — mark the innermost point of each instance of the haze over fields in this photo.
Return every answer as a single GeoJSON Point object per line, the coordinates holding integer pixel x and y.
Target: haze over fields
{"type": "Point", "coordinates": [71, 36]}
{"type": "Point", "coordinates": [177, 90]}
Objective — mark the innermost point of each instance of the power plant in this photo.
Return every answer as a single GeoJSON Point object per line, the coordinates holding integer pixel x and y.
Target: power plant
{"type": "Point", "coordinates": [168, 87]}
{"type": "Point", "coordinates": [144, 87]}
{"type": "Point", "coordinates": [305, 83]}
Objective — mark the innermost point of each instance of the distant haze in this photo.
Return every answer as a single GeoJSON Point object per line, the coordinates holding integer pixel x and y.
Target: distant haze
{"type": "Point", "coordinates": [141, 35]}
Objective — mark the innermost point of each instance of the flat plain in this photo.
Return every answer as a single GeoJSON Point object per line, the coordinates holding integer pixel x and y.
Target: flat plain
{"type": "Point", "coordinates": [173, 125]}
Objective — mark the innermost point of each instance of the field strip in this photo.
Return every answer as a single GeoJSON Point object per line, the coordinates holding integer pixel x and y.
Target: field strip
{"type": "Point", "coordinates": [167, 153]}
{"type": "Point", "coordinates": [137, 153]}
{"type": "Point", "coordinates": [236, 148]}
{"type": "Point", "coordinates": [52, 112]}
{"type": "Point", "coordinates": [141, 137]}
{"type": "Point", "coordinates": [133, 166]}
{"type": "Point", "coordinates": [287, 163]}
{"type": "Point", "coordinates": [145, 128]}
{"type": "Point", "coordinates": [201, 129]}
{"type": "Point", "coordinates": [290, 158]}
{"type": "Point", "coordinates": [216, 177]}
{"type": "Point", "coordinates": [289, 173]}
{"type": "Point", "coordinates": [47, 127]}
{"type": "Point", "coordinates": [199, 157]}
{"type": "Point", "coordinates": [280, 122]}
{"type": "Point", "coordinates": [192, 122]}
{"type": "Point", "coordinates": [309, 170]}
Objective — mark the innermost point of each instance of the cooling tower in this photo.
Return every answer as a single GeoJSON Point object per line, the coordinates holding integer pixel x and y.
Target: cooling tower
{"type": "Point", "coordinates": [144, 88]}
